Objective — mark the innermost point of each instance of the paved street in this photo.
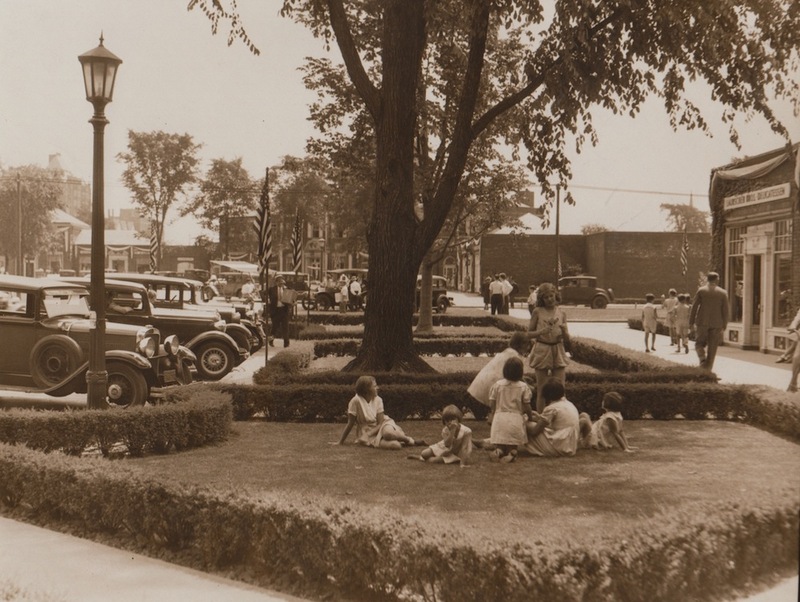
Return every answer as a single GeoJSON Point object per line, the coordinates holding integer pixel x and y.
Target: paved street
{"type": "Point", "coordinates": [83, 571]}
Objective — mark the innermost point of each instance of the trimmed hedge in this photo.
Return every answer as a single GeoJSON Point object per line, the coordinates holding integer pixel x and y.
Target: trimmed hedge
{"type": "Point", "coordinates": [343, 551]}
{"type": "Point", "coordinates": [204, 418]}
{"type": "Point", "coordinates": [506, 324]}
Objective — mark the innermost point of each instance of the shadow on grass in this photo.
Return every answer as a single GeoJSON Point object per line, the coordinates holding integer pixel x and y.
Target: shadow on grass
{"type": "Point", "coordinates": [595, 493]}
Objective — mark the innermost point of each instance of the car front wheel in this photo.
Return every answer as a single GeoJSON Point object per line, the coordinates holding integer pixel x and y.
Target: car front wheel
{"type": "Point", "coordinates": [214, 360]}
{"type": "Point", "coordinates": [126, 386]}
{"type": "Point", "coordinates": [599, 302]}
{"type": "Point", "coordinates": [442, 305]}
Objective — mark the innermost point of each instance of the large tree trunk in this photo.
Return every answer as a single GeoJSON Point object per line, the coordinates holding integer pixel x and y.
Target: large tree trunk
{"type": "Point", "coordinates": [388, 338]}
{"type": "Point", "coordinates": [425, 320]}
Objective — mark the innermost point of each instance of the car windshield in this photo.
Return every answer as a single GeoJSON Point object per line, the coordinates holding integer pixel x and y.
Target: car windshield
{"type": "Point", "coordinates": [65, 302]}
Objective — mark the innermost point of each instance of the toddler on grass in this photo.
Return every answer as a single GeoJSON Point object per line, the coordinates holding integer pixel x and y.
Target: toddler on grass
{"type": "Point", "coordinates": [456, 443]}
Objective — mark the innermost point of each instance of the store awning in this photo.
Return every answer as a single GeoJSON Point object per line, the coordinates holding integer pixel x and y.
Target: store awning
{"type": "Point", "coordinates": [236, 266]}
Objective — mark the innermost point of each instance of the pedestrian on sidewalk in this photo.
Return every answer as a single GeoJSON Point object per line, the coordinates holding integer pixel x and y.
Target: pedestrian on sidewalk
{"type": "Point", "coordinates": [787, 355]}
{"type": "Point", "coordinates": [709, 318]}
{"type": "Point", "coordinates": [681, 318]}
{"type": "Point", "coordinates": [496, 296]}
{"type": "Point", "coordinates": [485, 292]}
{"type": "Point", "coordinates": [279, 309]}
{"type": "Point", "coordinates": [649, 322]}
{"type": "Point", "coordinates": [669, 305]}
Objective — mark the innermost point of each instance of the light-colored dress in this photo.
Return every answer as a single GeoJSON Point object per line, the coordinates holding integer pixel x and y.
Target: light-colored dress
{"type": "Point", "coordinates": [459, 451]}
{"type": "Point", "coordinates": [548, 351]}
{"type": "Point", "coordinates": [649, 318]}
{"type": "Point", "coordinates": [601, 435]}
{"type": "Point", "coordinates": [368, 431]}
{"type": "Point", "coordinates": [560, 436]}
{"type": "Point", "coordinates": [508, 424]}
{"type": "Point", "coordinates": [490, 374]}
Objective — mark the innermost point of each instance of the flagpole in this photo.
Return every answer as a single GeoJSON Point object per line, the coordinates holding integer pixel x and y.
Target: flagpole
{"type": "Point", "coordinates": [263, 227]}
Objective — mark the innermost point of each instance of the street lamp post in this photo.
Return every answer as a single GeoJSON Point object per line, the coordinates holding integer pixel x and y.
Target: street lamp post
{"type": "Point", "coordinates": [99, 72]}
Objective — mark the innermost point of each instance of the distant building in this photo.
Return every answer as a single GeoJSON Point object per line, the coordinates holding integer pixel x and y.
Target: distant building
{"type": "Point", "coordinates": [76, 195]}
{"type": "Point", "coordinates": [756, 245]}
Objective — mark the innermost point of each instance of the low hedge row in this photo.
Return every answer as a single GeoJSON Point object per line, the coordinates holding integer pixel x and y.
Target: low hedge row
{"type": "Point", "coordinates": [344, 551]}
{"type": "Point", "coordinates": [458, 346]}
{"type": "Point", "coordinates": [505, 324]}
{"type": "Point", "coordinates": [204, 418]}
{"type": "Point", "coordinates": [765, 408]}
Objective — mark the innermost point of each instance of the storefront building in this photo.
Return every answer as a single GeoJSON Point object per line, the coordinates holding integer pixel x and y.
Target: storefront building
{"type": "Point", "coordinates": [756, 245]}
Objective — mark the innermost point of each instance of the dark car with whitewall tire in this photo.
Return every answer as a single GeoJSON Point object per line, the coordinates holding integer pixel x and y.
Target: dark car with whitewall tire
{"type": "Point", "coordinates": [203, 333]}
{"type": "Point", "coordinates": [583, 290]}
{"type": "Point", "coordinates": [178, 293]}
{"type": "Point", "coordinates": [45, 325]}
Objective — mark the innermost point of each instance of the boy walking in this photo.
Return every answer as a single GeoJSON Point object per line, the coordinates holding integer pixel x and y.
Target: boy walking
{"type": "Point", "coordinates": [649, 322]}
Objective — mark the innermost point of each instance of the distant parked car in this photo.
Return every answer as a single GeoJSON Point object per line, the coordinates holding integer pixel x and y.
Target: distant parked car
{"type": "Point", "coordinates": [179, 293]}
{"type": "Point", "coordinates": [439, 297]}
{"type": "Point", "coordinates": [325, 297]}
{"type": "Point", "coordinates": [45, 325]}
{"type": "Point", "coordinates": [583, 290]}
{"type": "Point", "coordinates": [202, 332]}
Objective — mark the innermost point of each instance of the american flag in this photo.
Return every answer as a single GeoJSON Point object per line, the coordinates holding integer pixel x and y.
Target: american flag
{"type": "Point", "coordinates": [263, 227]}
{"type": "Point", "coordinates": [153, 248]}
{"type": "Point", "coordinates": [558, 267]}
{"type": "Point", "coordinates": [297, 243]}
{"type": "Point", "coordinates": [684, 253]}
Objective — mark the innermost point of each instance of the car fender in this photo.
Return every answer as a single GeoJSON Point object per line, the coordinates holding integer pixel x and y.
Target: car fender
{"type": "Point", "coordinates": [210, 335]}
{"type": "Point", "coordinates": [231, 329]}
{"type": "Point", "coordinates": [129, 357]}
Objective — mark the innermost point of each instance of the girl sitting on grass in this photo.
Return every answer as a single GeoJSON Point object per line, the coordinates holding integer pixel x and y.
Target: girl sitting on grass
{"type": "Point", "coordinates": [510, 400]}
{"type": "Point", "coordinates": [456, 443]}
{"type": "Point", "coordinates": [608, 427]}
{"type": "Point", "coordinates": [373, 427]}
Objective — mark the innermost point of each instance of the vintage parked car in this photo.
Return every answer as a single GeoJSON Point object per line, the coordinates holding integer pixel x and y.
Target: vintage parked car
{"type": "Point", "coordinates": [325, 297]}
{"type": "Point", "coordinates": [45, 325]}
{"type": "Point", "coordinates": [439, 297]}
{"type": "Point", "coordinates": [179, 293]}
{"type": "Point", "coordinates": [202, 332]}
{"type": "Point", "coordinates": [583, 290]}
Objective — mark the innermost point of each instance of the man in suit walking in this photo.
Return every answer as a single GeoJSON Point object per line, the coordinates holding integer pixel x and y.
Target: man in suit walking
{"type": "Point", "coordinates": [709, 318]}
{"type": "Point", "coordinates": [278, 310]}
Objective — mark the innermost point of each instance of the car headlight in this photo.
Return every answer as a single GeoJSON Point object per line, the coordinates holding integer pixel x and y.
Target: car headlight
{"type": "Point", "coordinates": [172, 344]}
{"type": "Point", "coordinates": [147, 347]}
{"type": "Point", "coordinates": [220, 325]}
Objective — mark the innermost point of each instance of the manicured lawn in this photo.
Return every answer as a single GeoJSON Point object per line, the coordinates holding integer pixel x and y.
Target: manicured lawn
{"type": "Point", "coordinates": [594, 494]}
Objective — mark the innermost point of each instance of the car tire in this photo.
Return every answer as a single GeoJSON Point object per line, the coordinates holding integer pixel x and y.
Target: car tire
{"type": "Point", "coordinates": [442, 305]}
{"type": "Point", "coordinates": [241, 339]}
{"type": "Point", "coordinates": [309, 304]}
{"type": "Point", "coordinates": [53, 359]}
{"type": "Point", "coordinates": [126, 386]}
{"type": "Point", "coordinates": [214, 360]}
{"type": "Point", "coordinates": [599, 302]}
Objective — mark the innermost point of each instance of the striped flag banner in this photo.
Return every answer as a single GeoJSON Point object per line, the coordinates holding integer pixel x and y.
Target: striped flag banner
{"type": "Point", "coordinates": [263, 227]}
{"type": "Point", "coordinates": [153, 249]}
{"type": "Point", "coordinates": [297, 243]}
{"type": "Point", "coordinates": [558, 267]}
{"type": "Point", "coordinates": [684, 253]}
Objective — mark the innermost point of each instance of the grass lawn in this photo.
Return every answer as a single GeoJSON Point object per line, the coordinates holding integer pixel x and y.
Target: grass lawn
{"type": "Point", "coordinates": [551, 500]}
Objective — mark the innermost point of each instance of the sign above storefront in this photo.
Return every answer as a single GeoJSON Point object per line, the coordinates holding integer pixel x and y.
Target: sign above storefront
{"type": "Point", "coordinates": [773, 193]}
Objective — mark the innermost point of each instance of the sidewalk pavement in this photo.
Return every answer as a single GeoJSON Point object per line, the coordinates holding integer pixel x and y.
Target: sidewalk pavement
{"type": "Point", "coordinates": [60, 568]}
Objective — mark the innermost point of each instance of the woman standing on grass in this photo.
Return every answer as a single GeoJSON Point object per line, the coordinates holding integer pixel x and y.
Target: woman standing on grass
{"type": "Point", "coordinates": [373, 427]}
{"type": "Point", "coordinates": [548, 328]}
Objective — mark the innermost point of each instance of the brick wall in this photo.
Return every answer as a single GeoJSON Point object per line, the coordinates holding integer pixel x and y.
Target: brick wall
{"type": "Point", "coordinates": [631, 263]}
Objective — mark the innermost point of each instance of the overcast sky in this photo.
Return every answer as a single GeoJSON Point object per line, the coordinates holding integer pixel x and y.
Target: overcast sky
{"type": "Point", "coordinates": [178, 78]}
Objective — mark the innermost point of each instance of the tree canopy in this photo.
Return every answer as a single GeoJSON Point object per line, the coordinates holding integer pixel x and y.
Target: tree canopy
{"type": "Point", "coordinates": [39, 193]}
{"type": "Point", "coordinates": [534, 73]}
{"type": "Point", "coordinates": [686, 217]}
{"type": "Point", "coordinates": [159, 168]}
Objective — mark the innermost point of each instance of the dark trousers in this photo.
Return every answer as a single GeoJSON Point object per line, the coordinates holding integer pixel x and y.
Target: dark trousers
{"type": "Point", "coordinates": [497, 304]}
{"type": "Point", "coordinates": [280, 323]}
{"type": "Point", "coordinates": [706, 343]}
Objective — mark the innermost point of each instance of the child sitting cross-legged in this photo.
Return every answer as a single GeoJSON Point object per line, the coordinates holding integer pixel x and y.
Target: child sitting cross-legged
{"type": "Point", "coordinates": [456, 443]}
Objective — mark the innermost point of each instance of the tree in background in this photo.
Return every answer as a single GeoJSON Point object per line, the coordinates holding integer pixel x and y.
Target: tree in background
{"type": "Point", "coordinates": [226, 193]}
{"type": "Point", "coordinates": [542, 71]}
{"type": "Point", "coordinates": [587, 229]}
{"type": "Point", "coordinates": [39, 194]}
{"type": "Point", "coordinates": [686, 217]}
{"type": "Point", "coordinates": [159, 168]}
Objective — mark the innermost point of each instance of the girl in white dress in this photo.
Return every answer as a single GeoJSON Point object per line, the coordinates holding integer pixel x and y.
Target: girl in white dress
{"type": "Point", "coordinates": [608, 428]}
{"type": "Point", "coordinates": [510, 400]}
{"type": "Point", "coordinates": [373, 427]}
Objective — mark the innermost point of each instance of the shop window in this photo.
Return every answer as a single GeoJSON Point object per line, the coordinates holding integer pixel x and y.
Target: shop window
{"type": "Point", "coordinates": [783, 311]}
{"type": "Point", "coordinates": [735, 273]}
